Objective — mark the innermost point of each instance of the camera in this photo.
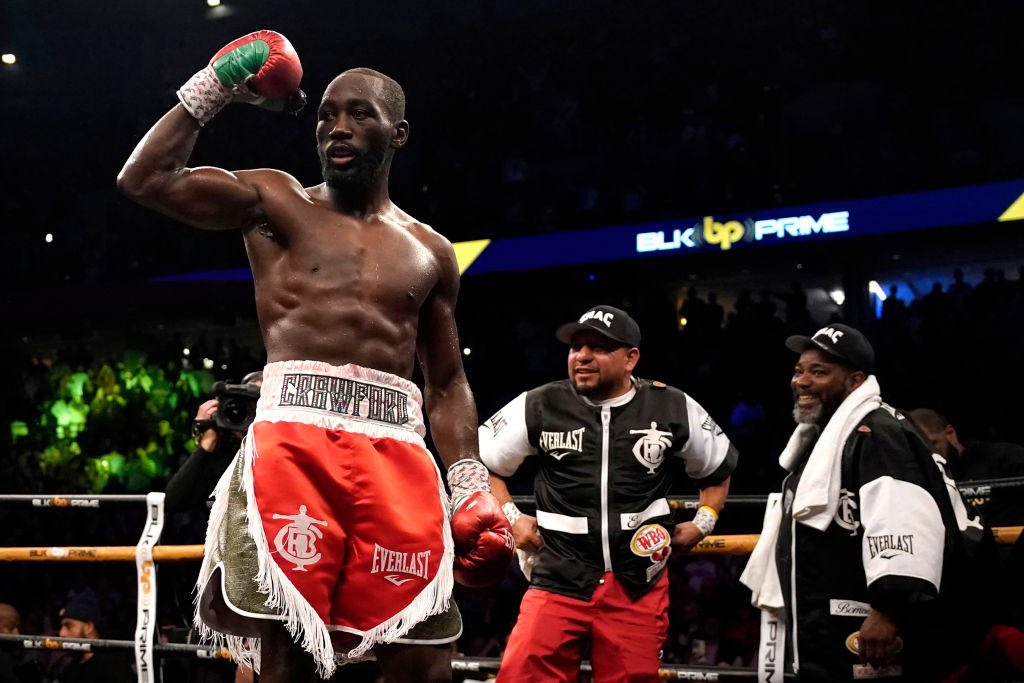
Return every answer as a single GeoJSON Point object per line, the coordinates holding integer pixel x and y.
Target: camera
{"type": "Point", "coordinates": [236, 408]}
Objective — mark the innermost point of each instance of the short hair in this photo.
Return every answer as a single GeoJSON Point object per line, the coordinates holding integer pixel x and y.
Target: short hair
{"type": "Point", "coordinates": [253, 377]}
{"type": "Point", "coordinates": [931, 420]}
{"type": "Point", "coordinates": [10, 620]}
{"type": "Point", "coordinates": [393, 96]}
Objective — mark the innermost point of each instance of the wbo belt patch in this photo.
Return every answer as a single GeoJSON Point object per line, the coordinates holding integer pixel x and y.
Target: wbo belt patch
{"type": "Point", "coordinates": [651, 540]}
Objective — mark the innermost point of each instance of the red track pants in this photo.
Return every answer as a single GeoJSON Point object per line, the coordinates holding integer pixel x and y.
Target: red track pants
{"type": "Point", "coordinates": [626, 635]}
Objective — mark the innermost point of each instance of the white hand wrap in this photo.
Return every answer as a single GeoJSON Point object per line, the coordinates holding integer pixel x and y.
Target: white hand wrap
{"type": "Point", "coordinates": [467, 476]}
{"type": "Point", "coordinates": [204, 95]}
{"type": "Point", "coordinates": [705, 519]}
{"type": "Point", "coordinates": [512, 513]}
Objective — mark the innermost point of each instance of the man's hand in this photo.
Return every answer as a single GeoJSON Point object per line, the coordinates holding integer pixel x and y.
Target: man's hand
{"type": "Point", "coordinates": [526, 535]}
{"type": "Point", "coordinates": [878, 641]}
{"type": "Point", "coordinates": [260, 68]}
{"type": "Point", "coordinates": [483, 540]}
{"type": "Point", "coordinates": [685, 535]}
{"type": "Point", "coordinates": [208, 439]}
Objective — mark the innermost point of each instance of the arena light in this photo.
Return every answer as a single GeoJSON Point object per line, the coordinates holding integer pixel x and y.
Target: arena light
{"type": "Point", "coordinates": [185, 351]}
{"type": "Point", "coordinates": [213, 3]}
{"type": "Point", "coordinates": [208, 364]}
{"type": "Point", "coordinates": [838, 295]}
{"type": "Point", "coordinates": [8, 58]}
{"type": "Point", "coordinates": [466, 351]}
{"type": "Point", "coordinates": [49, 237]}
{"type": "Point", "coordinates": [877, 290]}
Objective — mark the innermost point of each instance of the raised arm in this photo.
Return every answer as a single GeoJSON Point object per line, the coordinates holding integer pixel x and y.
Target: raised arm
{"type": "Point", "coordinates": [156, 175]}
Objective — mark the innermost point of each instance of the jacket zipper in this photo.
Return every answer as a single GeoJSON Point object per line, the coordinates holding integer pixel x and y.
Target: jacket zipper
{"type": "Point", "coordinates": [606, 416]}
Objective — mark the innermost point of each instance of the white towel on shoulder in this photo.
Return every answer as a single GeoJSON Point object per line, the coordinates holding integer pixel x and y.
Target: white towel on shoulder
{"type": "Point", "coordinates": [817, 493]}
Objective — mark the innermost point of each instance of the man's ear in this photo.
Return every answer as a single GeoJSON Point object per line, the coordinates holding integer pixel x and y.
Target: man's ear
{"type": "Point", "coordinates": [949, 431]}
{"type": "Point", "coordinates": [854, 380]}
{"type": "Point", "coordinates": [401, 134]}
{"type": "Point", "coordinates": [632, 358]}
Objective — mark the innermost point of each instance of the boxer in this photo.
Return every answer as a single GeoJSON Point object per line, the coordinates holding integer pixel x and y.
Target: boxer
{"type": "Point", "coordinates": [331, 529]}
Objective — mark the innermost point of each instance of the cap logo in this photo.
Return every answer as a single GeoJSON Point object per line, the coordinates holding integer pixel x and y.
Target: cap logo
{"type": "Point", "coordinates": [833, 334]}
{"type": "Point", "coordinates": [606, 318]}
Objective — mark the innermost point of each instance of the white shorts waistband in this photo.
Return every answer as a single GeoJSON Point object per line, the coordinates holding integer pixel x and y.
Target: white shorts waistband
{"type": "Point", "coordinates": [348, 397]}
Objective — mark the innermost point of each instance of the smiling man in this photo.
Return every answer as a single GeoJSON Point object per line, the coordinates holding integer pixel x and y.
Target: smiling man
{"type": "Point", "coordinates": [333, 474]}
{"type": "Point", "coordinates": [607, 442]}
{"type": "Point", "coordinates": [869, 544]}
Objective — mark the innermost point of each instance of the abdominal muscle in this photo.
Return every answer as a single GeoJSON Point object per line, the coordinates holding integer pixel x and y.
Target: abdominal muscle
{"type": "Point", "coordinates": [339, 326]}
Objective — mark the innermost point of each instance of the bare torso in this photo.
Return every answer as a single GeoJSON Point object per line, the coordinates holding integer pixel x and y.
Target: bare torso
{"type": "Point", "coordinates": [335, 288]}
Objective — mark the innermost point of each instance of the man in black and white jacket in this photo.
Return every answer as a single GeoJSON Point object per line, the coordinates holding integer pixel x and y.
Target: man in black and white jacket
{"type": "Point", "coordinates": [863, 560]}
{"type": "Point", "coordinates": [597, 549]}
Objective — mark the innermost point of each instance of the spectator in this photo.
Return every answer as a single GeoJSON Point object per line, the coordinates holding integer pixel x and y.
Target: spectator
{"type": "Point", "coordinates": [82, 617]}
{"type": "Point", "coordinates": [973, 460]}
{"type": "Point", "coordinates": [16, 665]}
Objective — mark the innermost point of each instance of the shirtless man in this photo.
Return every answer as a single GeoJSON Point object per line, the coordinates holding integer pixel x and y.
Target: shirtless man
{"type": "Point", "coordinates": [333, 503]}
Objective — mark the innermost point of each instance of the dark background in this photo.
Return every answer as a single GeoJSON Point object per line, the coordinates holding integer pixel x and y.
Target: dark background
{"type": "Point", "coordinates": [526, 116]}
{"type": "Point", "coordinates": [539, 116]}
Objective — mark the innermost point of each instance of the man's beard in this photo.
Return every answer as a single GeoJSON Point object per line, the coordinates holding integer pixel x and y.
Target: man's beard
{"type": "Point", "coordinates": [359, 176]}
{"type": "Point", "coordinates": [601, 387]}
{"type": "Point", "coordinates": [820, 416]}
{"type": "Point", "coordinates": [802, 418]}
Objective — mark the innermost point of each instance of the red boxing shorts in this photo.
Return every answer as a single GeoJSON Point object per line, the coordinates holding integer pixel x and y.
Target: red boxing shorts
{"type": "Point", "coordinates": [334, 517]}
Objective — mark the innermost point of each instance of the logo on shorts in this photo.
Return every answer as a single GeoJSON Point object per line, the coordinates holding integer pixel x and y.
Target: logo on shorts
{"type": "Point", "coordinates": [345, 397]}
{"type": "Point", "coordinates": [396, 562]}
{"type": "Point", "coordinates": [297, 541]}
{"type": "Point", "coordinates": [649, 449]}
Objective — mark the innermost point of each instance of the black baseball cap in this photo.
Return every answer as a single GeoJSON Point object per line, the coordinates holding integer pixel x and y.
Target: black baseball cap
{"type": "Point", "coordinates": [612, 322]}
{"type": "Point", "coordinates": [841, 341]}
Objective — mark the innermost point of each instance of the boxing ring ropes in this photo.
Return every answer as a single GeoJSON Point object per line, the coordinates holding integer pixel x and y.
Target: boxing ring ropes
{"type": "Point", "coordinates": [146, 553]}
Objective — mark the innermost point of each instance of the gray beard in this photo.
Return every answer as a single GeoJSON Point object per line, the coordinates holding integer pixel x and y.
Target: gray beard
{"type": "Point", "coordinates": [807, 418]}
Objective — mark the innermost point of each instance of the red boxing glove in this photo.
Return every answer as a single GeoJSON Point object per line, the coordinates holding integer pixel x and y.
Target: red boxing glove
{"type": "Point", "coordinates": [261, 68]}
{"type": "Point", "coordinates": [484, 545]}
{"type": "Point", "coordinates": [267, 57]}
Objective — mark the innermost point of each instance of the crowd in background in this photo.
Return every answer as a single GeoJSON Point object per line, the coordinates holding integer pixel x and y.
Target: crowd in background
{"type": "Point", "coordinates": [667, 113]}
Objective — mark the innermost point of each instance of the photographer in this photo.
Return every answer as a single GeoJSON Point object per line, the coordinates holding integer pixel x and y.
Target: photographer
{"type": "Point", "coordinates": [219, 427]}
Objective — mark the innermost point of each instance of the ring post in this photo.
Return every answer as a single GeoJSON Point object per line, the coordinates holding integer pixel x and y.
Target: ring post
{"type": "Point", "coordinates": [145, 624]}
